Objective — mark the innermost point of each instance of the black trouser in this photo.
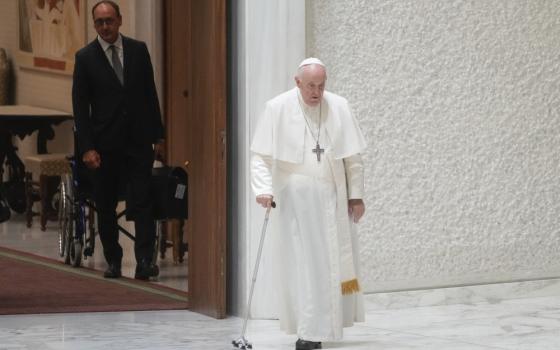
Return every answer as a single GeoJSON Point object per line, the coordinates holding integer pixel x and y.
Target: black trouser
{"type": "Point", "coordinates": [130, 174]}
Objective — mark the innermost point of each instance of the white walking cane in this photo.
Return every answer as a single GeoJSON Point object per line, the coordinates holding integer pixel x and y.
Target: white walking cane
{"type": "Point", "coordinates": [243, 343]}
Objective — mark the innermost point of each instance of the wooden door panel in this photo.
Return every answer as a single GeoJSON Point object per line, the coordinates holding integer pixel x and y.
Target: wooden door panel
{"type": "Point", "coordinates": [196, 133]}
{"type": "Point", "coordinates": [178, 74]}
{"type": "Point", "coordinates": [207, 265]}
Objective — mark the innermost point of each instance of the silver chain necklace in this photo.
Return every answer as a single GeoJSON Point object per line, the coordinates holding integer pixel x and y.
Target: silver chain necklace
{"type": "Point", "coordinates": [317, 150]}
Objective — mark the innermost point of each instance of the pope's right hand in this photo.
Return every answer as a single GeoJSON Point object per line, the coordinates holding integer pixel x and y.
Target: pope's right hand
{"type": "Point", "coordinates": [91, 159]}
{"type": "Point", "coordinates": [265, 200]}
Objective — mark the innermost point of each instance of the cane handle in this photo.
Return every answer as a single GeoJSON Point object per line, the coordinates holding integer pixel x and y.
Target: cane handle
{"type": "Point", "coordinates": [272, 205]}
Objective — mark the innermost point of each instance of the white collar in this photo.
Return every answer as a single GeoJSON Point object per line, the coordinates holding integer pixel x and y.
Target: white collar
{"type": "Point", "coordinates": [105, 45]}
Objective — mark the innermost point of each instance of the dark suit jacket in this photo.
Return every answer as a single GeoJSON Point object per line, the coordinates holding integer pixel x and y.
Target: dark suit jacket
{"type": "Point", "coordinates": [110, 116]}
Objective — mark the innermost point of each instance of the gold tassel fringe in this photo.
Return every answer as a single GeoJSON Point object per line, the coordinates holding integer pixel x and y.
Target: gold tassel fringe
{"type": "Point", "coordinates": [350, 287]}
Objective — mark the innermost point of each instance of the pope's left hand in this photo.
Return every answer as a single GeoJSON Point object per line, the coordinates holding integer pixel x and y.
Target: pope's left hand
{"type": "Point", "coordinates": [356, 209]}
{"type": "Point", "coordinates": [159, 151]}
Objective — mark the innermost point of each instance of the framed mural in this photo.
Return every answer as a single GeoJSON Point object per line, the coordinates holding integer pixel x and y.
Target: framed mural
{"type": "Point", "coordinates": [50, 33]}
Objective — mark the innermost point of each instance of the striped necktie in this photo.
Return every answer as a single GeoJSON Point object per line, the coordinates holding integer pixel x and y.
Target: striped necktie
{"type": "Point", "coordinates": [117, 66]}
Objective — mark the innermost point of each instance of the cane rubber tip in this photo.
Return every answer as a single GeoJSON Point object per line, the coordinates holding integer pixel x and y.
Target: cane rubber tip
{"type": "Point", "coordinates": [273, 204]}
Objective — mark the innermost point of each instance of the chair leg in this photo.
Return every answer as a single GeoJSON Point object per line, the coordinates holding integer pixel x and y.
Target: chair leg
{"type": "Point", "coordinates": [28, 198]}
{"type": "Point", "coordinates": [175, 232]}
{"type": "Point", "coordinates": [183, 246]}
{"type": "Point", "coordinates": [43, 189]}
{"type": "Point", "coordinates": [163, 239]}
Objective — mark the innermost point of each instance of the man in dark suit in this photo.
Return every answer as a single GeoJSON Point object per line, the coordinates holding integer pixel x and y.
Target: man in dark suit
{"type": "Point", "coordinates": [119, 131]}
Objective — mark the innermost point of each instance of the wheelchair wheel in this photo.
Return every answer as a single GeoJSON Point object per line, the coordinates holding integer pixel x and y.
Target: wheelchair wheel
{"type": "Point", "coordinates": [65, 217]}
{"type": "Point", "coordinates": [70, 247]}
{"type": "Point", "coordinates": [75, 253]}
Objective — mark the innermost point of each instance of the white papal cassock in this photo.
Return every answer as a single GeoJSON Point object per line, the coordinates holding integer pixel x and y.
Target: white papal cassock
{"type": "Point", "coordinates": [315, 243]}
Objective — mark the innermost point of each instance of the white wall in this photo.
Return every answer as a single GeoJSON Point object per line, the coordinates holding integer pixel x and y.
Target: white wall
{"type": "Point", "coordinates": [460, 104]}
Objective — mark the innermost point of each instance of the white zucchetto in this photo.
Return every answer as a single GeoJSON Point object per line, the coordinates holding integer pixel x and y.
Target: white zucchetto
{"type": "Point", "coordinates": [311, 60]}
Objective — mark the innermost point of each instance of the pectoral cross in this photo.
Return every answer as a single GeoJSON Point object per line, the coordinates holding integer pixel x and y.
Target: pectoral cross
{"type": "Point", "coordinates": [318, 150]}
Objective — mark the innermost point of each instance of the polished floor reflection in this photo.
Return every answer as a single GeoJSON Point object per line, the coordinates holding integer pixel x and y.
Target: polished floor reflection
{"type": "Point", "coordinates": [14, 234]}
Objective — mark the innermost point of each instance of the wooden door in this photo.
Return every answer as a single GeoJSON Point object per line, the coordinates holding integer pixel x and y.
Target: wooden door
{"type": "Point", "coordinates": [196, 128]}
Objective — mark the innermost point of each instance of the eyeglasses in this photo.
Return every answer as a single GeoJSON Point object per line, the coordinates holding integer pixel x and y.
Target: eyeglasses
{"type": "Point", "coordinates": [108, 21]}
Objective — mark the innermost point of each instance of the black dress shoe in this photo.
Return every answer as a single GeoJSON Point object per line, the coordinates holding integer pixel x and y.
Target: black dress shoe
{"type": "Point", "coordinates": [308, 345]}
{"type": "Point", "coordinates": [113, 271]}
{"type": "Point", "coordinates": [145, 269]}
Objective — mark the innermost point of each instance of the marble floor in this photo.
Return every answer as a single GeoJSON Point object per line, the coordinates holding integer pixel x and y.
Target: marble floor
{"type": "Point", "coordinates": [518, 315]}
{"type": "Point", "coordinates": [531, 323]}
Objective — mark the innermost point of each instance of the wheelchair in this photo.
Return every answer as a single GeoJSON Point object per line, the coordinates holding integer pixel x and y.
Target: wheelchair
{"type": "Point", "coordinates": [77, 214]}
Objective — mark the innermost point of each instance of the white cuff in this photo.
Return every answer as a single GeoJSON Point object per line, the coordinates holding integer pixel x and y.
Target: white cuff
{"type": "Point", "coordinates": [354, 167]}
{"type": "Point", "coordinates": [261, 174]}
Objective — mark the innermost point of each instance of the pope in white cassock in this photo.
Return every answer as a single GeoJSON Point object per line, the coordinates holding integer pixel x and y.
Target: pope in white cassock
{"type": "Point", "coordinates": [307, 158]}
